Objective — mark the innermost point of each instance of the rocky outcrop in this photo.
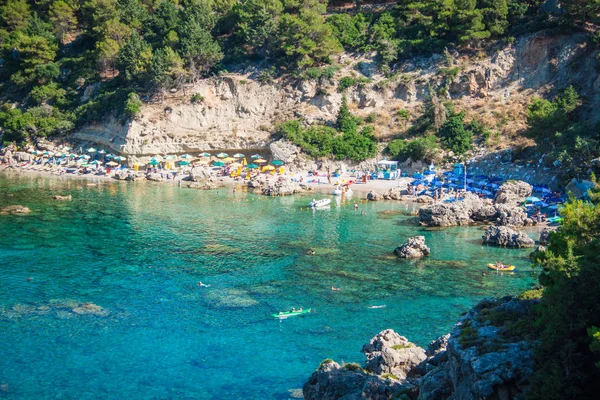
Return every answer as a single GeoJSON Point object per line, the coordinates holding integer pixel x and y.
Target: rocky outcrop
{"type": "Point", "coordinates": [471, 209]}
{"type": "Point", "coordinates": [396, 193]}
{"type": "Point", "coordinates": [414, 248]}
{"type": "Point", "coordinates": [62, 198]}
{"type": "Point", "coordinates": [545, 235]}
{"type": "Point", "coordinates": [14, 210]}
{"type": "Point", "coordinates": [488, 355]}
{"type": "Point", "coordinates": [512, 192]}
{"type": "Point", "coordinates": [390, 353]}
{"type": "Point", "coordinates": [374, 196]}
{"type": "Point", "coordinates": [283, 186]}
{"type": "Point", "coordinates": [506, 237]}
{"type": "Point", "coordinates": [424, 199]}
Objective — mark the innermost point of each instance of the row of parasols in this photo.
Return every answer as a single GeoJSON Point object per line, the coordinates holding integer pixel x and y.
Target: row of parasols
{"type": "Point", "coordinates": [223, 159]}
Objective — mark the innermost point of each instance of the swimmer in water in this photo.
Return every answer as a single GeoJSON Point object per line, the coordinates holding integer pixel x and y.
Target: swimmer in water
{"type": "Point", "coordinates": [363, 213]}
{"type": "Point", "coordinates": [200, 284]}
{"type": "Point", "coordinates": [335, 288]}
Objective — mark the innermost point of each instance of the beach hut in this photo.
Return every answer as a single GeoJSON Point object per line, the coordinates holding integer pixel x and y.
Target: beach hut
{"type": "Point", "coordinates": [387, 169]}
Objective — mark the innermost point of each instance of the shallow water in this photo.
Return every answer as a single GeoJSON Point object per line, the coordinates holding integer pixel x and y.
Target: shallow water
{"type": "Point", "coordinates": [139, 250]}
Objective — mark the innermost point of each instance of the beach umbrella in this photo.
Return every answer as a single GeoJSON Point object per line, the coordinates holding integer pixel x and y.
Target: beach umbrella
{"type": "Point", "coordinates": [109, 155]}
{"type": "Point", "coordinates": [218, 164]}
{"type": "Point", "coordinates": [222, 155]}
{"type": "Point", "coordinates": [157, 158]}
{"type": "Point", "coordinates": [85, 164]}
{"type": "Point", "coordinates": [252, 166]}
{"type": "Point", "coordinates": [532, 199]}
{"type": "Point", "coordinates": [135, 164]}
{"type": "Point", "coordinates": [112, 164]}
{"type": "Point", "coordinates": [268, 168]}
{"type": "Point", "coordinates": [187, 157]}
{"type": "Point", "coordinates": [277, 162]}
{"type": "Point", "coordinates": [102, 152]}
{"type": "Point", "coordinates": [184, 163]}
{"type": "Point", "coordinates": [238, 155]}
{"type": "Point", "coordinates": [260, 160]}
{"type": "Point", "coordinates": [85, 156]}
{"type": "Point", "coordinates": [254, 157]}
{"type": "Point", "coordinates": [205, 154]}
{"type": "Point", "coordinates": [170, 157]}
{"type": "Point", "coordinates": [120, 158]}
{"type": "Point", "coordinates": [67, 148]}
{"type": "Point", "coordinates": [95, 162]}
{"type": "Point", "coordinates": [91, 150]}
{"type": "Point", "coordinates": [228, 159]}
{"type": "Point", "coordinates": [153, 162]}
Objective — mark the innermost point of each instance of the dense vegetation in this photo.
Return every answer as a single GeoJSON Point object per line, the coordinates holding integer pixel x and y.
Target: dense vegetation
{"type": "Point", "coordinates": [568, 356]}
{"type": "Point", "coordinates": [53, 52]}
{"type": "Point", "coordinates": [345, 141]}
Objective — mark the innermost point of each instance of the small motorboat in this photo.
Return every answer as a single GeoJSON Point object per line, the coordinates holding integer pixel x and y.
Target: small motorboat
{"type": "Point", "coordinates": [502, 268]}
{"type": "Point", "coordinates": [319, 203]}
{"type": "Point", "coordinates": [292, 313]}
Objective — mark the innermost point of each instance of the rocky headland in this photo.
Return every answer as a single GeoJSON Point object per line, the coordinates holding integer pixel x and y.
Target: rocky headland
{"type": "Point", "coordinates": [488, 355]}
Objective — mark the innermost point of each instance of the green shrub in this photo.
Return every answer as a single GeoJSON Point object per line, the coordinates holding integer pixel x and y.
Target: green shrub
{"type": "Point", "coordinates": [425, 148]}
{"type": "Point", "coordinates": [325, 362]}
{"type": "Point", "coordinates": [197, 98]}
{"type": "Point", "coordinates": [402, 346]}
{"type": "Point", "coordinates": [346, 82]}
{"type": "Point", "coordinates": [389, 376]}
{"type": "Point", "coordinates": [352, 367]}
{"type": "Point", "coordinates": [133, 106]}
{"type": "Point", "coordinates": [372, 117]}
{"type": "Point", "coordinates": [532, 294]}
{"type": "Point", "coordinates": [454, 136]}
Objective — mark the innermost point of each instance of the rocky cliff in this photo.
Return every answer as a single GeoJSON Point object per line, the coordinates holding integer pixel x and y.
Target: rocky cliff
{"type": "Point", "coordinates": [488, 355]}
{"type": "Point", "coordinates": [237, 111]}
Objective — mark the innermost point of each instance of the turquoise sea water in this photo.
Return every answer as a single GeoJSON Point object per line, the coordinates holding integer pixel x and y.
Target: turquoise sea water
{"type": "Point", "coordinates": [139, 250]}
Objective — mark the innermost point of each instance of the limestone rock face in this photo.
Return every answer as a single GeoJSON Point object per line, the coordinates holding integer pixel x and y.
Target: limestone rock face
{"type": "Point", "coordinates": [414, 248]}
{"type": "Point", "coordinates": [506, 237]}
{"type": "Point", "coordinates": [396, 193]}
{"type": "Point", "coordinates": [513, 192]}
{"type": "Point", "coordinates": [510, 215]}
{"type": "Point", "coordinates": [390, 353]}
{"type": "Point", "coordinates": [424, 199]}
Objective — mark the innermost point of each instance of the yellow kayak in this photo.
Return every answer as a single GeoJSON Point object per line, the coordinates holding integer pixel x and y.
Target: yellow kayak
{"type": "Point", "coordinates": [503, 268]}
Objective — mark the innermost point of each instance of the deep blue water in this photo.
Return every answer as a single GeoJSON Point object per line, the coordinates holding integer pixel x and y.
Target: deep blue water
{"type": "Point", "coordinates": [139, 250]}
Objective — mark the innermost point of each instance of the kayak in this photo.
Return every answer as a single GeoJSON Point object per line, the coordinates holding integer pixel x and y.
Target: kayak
{"type": "Point", "coordinates": [503, 268]}
{"type": "Point", "coordinates": [554, 220]}
{"type": "Point", "coordinates": [319, 203]}
{"type": "Point", "coordinates": [286, 314]}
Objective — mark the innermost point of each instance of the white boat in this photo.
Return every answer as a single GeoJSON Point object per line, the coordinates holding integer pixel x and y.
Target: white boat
{"type": "Point", "coordinates": [319, 203]}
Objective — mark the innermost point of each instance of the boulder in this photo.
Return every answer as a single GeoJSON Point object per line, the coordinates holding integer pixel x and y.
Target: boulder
{"type": "Point", "coordinates": [579, 187]}
{"type": "Point", "coordinates": [458, 213]}
{"type": "Point", "coordinates": [506, 237]}
{"type": "Point", "coordinates": [374, 196]}
{"type": "Point", "coordinates": [396, 193]}
{"type": "Point", "coordinates": [62, 198]}
{"type": "Point", "coordinates": [414, 248]}
{"type": "Point", "coordinates": [513, 192]}
{"type": "Point", "coordinates": [23, 156]}
{"type": "Point", "coordinates": [202, 185]}
{"type": "Point", "coordinates": [545, 235]}
{"type": "Point", "coordinates": [425, 199]}
{"type": "Point", "coordinates": [14, 210]}
{"type": "Point", "coordinates": [511, 214]}
{"type": "Point", "coordinates": [390, 353]}
{"type": "Point", "coordinates": [154, 177]}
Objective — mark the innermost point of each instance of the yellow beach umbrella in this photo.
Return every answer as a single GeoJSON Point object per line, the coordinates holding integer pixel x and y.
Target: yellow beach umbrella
{"type": "Point", "coordinates": [228, 159]}
{"type": "Point", "coordinates": [268, 168]}
{"type": "Point", "coordinates": [260, 160]}
{"type": "Point", "coordinates": [138, 164]}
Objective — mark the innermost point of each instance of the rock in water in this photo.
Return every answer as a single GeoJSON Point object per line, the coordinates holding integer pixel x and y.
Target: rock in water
{"type": "Point", "coordinates": [15, 210]}
{"type": "Point", "coordinates": [390, 353]}
{"type": "Point", "coordinates": [374, 196]}
{"type": "Point", "coordinates": [506, 237]}
{"type": "Point", "coordinates": [413, 248]}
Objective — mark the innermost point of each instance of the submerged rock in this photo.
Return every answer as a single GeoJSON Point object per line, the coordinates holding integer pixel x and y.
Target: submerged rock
{"type": "Point", "coordinates": [14, 210]}
{"type": "Point", "coordinates": [506, 237]}
{"type": "Point", "coordinates": [413, 248]}
{"type": "Point", "coordinates": [90, 309]}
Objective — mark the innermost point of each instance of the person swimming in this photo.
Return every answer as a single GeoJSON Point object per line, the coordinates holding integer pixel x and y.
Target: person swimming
{"type": "Point", "coordinates": [200, 284]}
{"type": "Point", "coordinates": [335, 288]}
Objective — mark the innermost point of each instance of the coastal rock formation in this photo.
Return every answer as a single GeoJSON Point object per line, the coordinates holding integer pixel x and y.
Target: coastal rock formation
{"type": "Point", "coordinates": [374, 196]}
{"type": "Point", "coordinates": [507, 211]}
{"type": "Point", "coordinates": [424, 199]}
{"type": "Point", "coordinates": [545, 235]}
{"type": "Point", "coordinates": [14, 210]}
{"type": "Point", "coordinates": [396, 193]}
{"type": "Point", "coordinates": [62, 198]}
{"type": "Point", "coordinates": [513, 192]}
{"type": "Point", "coordinates": [414, 248]}
{"type": "Point", "coordinates": [390, 353]}
{"type": "Point", "coordinates": [488, 355]}
{"type": "Point", "coordinates": [283, 186]}
{"type": "Point", "coordinates": [202, 185]}
{"type": "Point", "coordinates": [504, 236]}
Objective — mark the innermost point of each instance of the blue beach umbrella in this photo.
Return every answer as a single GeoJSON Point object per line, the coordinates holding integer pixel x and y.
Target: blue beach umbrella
{"type": "Point", "coordinates": [277, 162]}
{"type": "Point", "coordinates": [532, 199]}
